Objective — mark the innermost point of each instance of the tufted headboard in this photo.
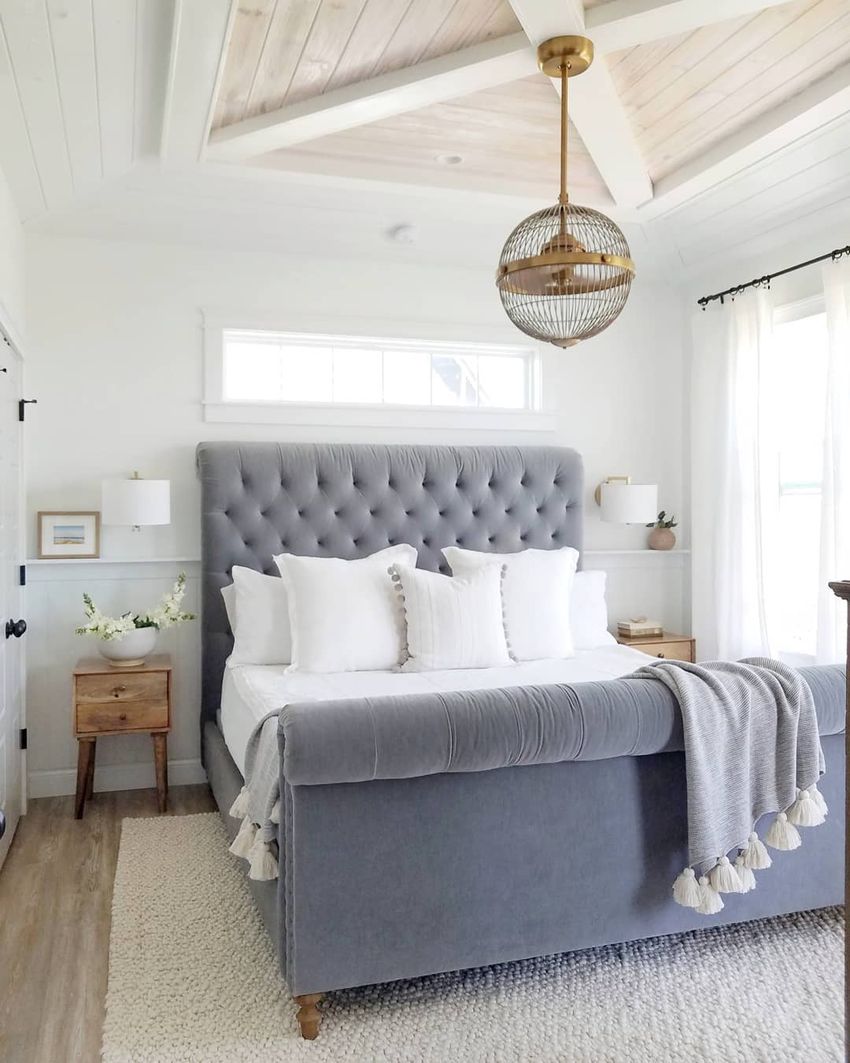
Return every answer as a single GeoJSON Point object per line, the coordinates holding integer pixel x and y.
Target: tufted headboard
{"type": "Point", "coordinates": [329, 500]}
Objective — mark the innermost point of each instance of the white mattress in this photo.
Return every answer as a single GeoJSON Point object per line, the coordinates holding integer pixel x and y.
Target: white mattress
{"type": "Point", "coordinates": [250, 692]}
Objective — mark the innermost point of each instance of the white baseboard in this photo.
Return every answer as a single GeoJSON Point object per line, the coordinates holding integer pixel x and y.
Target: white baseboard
{"type": "Point", "coordinates": [114, 777]}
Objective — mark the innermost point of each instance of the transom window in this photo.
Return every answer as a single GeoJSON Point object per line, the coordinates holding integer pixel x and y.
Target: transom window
{"type": "Point", "coordinates": [291, 367]}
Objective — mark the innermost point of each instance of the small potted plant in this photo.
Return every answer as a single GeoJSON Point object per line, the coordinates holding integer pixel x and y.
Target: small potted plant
{"type": "Point", "coordinates": [662, 537]}
{"type": "Point", "coordinates": [128, 639]}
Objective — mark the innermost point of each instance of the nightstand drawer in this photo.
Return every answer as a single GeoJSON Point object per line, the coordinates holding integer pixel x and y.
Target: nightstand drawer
{"type": "Point", "coordinates": [671, 651]}
{"type": "Point", "coordinates": [146, 686]}
{"type": "Point", "coordinates": [98, 716]}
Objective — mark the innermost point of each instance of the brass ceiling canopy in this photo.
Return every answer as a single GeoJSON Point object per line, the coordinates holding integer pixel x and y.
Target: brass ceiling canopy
{"type": "Point", "coordinates": [565, 272]}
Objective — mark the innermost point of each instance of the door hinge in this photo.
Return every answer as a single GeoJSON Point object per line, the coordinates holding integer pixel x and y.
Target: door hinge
{"type": "Point", "coordinates": [23, 738]}
{"type": "Point", "coordinates": [22, 576]}
{"type": "Point", "coordinates": [22, 406]}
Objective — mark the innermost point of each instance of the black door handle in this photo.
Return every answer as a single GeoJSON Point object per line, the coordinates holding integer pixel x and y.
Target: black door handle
{"type": "Point", "coordinates": [16, 628]}
{"type": "Point", "coordinates": [2, 823]}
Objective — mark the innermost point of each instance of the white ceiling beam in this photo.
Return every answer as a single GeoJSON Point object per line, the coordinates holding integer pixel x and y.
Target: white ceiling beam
{"type": "Point", "coordinates": [621, 24]}
{"type": "Point", "coordinates": [473, 69]}
{"type": "Point", "coordinates": [799, 116]}
{"type": "Point", "coordinates": [199, 40]}
{"type": "Point", "coordinates": [595, 107]}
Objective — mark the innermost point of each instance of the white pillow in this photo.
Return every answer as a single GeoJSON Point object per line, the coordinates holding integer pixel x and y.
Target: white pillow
{"type": "Point", "coordinates": [537, 589]}
{"type": "Point", "coordinates": [453, 622]}
{"type": "Point", "coordinates": [229, 595]}
{"type": "Point", "coordinates": [259, 618]}
{"type": "Point", "coordinates": [589, 613]}
{"type": "Point", "coordinates": [344, 615]}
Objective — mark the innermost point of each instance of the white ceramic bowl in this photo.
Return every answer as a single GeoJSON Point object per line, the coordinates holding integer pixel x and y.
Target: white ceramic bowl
{"type": "Point", "coordinates": [131, 648]}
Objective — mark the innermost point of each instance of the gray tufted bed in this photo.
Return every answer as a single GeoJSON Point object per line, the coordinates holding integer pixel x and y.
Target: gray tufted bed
{"type": "Point", "coordinates": [462, 833]}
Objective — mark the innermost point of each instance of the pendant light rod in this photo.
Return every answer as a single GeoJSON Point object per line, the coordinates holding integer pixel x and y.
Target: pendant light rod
{"type": "Point", "coordinates": [565, 272]}
{"type": "Point", "coordinates": [563, 196]}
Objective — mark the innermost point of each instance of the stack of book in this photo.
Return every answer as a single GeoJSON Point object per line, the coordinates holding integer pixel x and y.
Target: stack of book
{"type": "Point", "coordinates": [639, 628]}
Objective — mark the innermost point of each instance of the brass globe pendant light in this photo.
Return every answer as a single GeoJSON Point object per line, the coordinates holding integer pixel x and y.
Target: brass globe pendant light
{"type": "Point", "coordinates": [565, 272]}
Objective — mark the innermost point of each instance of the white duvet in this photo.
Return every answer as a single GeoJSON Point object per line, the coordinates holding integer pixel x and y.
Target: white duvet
{"type": "Point", "coordinates": [249, 692]}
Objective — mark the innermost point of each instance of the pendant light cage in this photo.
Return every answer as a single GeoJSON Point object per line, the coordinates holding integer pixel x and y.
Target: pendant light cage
{"type": "Point", "coordinates": [564, 274]}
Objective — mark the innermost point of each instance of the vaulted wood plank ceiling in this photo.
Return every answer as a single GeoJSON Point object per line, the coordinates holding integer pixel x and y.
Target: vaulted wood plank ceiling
{"type": "Point", "coordinates": [500, 139]}
{"type": "Point", "coordinates": [285, 51]}
{"type": "Point", "coordinates": [727, 130]}
{"type": "Point", "coordinates": [684, 93]}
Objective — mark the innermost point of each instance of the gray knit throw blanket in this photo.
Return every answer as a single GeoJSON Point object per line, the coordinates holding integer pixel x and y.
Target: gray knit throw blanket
{"type": "Point", "coordinates": [751, 747]}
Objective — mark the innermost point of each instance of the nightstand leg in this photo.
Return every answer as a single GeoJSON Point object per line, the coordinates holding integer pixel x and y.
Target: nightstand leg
{"type": "Point", "coordinates": [85, 756]}
{"type": "Point", "coordinates": [160, 755]}
{"type": "Point", "coordinates": [90, 773]}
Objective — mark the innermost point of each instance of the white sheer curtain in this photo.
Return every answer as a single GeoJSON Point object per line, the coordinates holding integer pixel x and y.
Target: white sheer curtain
{"type": "Point", "coordinates": [733, 478]}
{"type": "Point", "coordinates": [835, 497]}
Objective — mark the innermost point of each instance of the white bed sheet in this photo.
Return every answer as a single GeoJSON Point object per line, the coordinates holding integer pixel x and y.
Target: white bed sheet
{"type": "Point", "coordinates": [250, 692]}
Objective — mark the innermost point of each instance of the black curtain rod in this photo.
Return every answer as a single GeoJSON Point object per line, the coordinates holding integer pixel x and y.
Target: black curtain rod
{"type": "Point", "coordinates": [764, 281]}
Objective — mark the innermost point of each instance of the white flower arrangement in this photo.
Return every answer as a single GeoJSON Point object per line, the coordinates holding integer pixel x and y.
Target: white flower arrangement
{"type": "Point", "coordinates": [166, 614]}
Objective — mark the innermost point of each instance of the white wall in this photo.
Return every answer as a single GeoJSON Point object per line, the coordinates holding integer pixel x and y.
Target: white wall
{"type": "Point", "coordinates": [116, 365]}
{"type": "Point", "coordinates": [11, 263]}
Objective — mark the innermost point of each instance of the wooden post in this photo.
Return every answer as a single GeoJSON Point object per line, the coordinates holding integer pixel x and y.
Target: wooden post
{"type": "Point", "coordinates": [85, 757]}
{"type": "Point", "coordinates": [842, 589]}
{"type": "Point", "coordinates": [160, 756]}
{"type": "Point", "coordinates": [309, 1016]}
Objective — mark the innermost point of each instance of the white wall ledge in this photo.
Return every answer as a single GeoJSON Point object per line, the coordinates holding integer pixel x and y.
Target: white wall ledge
{"type": "Point", "coordinates": [53, 562]}
{"type": "Point", "coordinates": [49, 562]}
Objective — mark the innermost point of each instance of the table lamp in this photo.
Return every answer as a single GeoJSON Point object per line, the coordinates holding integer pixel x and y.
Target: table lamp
{"type": "Point", "coordinates": [136, 502]}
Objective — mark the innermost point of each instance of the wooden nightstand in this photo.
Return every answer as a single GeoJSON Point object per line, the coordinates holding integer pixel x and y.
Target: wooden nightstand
{"type": "Point", "coordinates": [111, 701]}
{"type": "Point", "coordinates": [673, 647]}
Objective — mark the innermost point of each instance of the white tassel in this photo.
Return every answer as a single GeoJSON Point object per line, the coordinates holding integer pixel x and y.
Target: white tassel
{"type": "Point", "coordinates": [782, 834]}
{"type": "Point", "coordinates": [804, 812]}
{"type": "Point", "coordinates": [756, 857]}
{"type": "Point", "coordinates": [748, 879]}
{"type": "Point", "coordinates": [274, 815]}
{"type": "Point", "coordinates": [817, 798]}
{"type": "Point", "coordinates": [239, 807]}
{"type": "Point", "coordinates": [263, 864]}
{"type": "Point", "coordinates": [686, 889]}
{"type": "Point", "coordinates": [710, 900]}
{"type": "Point", "coordinates": [724, 878]}
{"type": "Point", "coordinates": [244, 840]}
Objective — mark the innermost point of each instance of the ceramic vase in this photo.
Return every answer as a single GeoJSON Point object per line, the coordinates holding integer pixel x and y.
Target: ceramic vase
{"type": "Point", "coordinates": [662, 539]}
{"type": "Point", "coordinates": [131, 648]}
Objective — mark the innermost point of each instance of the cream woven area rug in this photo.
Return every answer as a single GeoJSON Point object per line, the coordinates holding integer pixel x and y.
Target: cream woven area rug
{"type": "Point", "coordinates": [193, 977]}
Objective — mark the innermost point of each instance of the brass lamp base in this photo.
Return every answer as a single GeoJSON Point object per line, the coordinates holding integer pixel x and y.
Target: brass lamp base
{"type": "Point", "coordinates": [576, 53]}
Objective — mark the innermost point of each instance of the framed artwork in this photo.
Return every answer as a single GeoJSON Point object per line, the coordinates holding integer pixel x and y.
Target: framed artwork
{"type": "Point", "coordinates": [68, 535]}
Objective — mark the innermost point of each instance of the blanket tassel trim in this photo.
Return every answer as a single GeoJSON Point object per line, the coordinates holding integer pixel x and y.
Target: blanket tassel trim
{"type": "Point", "coordinates": [249, 843]}
{"type": "Point", "coordinates": [703, 894]}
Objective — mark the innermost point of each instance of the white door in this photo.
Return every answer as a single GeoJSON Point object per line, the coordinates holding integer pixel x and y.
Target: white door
{"type": "Point", "coordinates": [11, 623]}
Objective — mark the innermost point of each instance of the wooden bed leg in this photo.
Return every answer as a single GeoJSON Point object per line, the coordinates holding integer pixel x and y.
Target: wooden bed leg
{"type": "Point", "coordinates": [309, 1016]}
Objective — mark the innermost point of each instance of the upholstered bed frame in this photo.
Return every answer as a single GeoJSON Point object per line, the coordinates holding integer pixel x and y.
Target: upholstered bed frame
{"type": "Point", "coordinates": [521, 856]}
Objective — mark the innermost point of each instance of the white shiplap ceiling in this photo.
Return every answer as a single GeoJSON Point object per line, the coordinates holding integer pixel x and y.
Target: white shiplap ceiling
{"type": "Point", "coordinates": [106, 108]}
{"type": "Point", "coordinates": [82, 84]}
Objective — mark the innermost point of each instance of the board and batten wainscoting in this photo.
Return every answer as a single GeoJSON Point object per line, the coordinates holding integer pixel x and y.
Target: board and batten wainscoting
{"type": "Point", "coordinates": [647, 582]}
{"type": "Point", "coordinates": [54, 609]}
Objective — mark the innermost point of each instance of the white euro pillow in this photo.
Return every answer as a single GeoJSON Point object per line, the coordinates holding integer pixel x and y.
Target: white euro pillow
{"type": "Point", "coordinates": [258, 611]}
{"type": "Point", "coordinates": [589, 611]}
{"type": "Point", "coordinates": [453, 622]}
{"type": "Point", "coordinates": [344, 615]}
{"type": "Point", "coordinates": [536, 591]}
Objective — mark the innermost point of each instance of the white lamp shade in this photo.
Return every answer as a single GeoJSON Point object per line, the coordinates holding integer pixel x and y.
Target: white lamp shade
{"type": "Point", "coordinates": [629, 503]}
{"type": "Point", "coordinates": [136, 502]}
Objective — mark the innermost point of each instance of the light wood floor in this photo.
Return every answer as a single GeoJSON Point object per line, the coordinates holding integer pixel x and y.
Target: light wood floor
{"type": "Point", "coordinates": [55, 913]}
